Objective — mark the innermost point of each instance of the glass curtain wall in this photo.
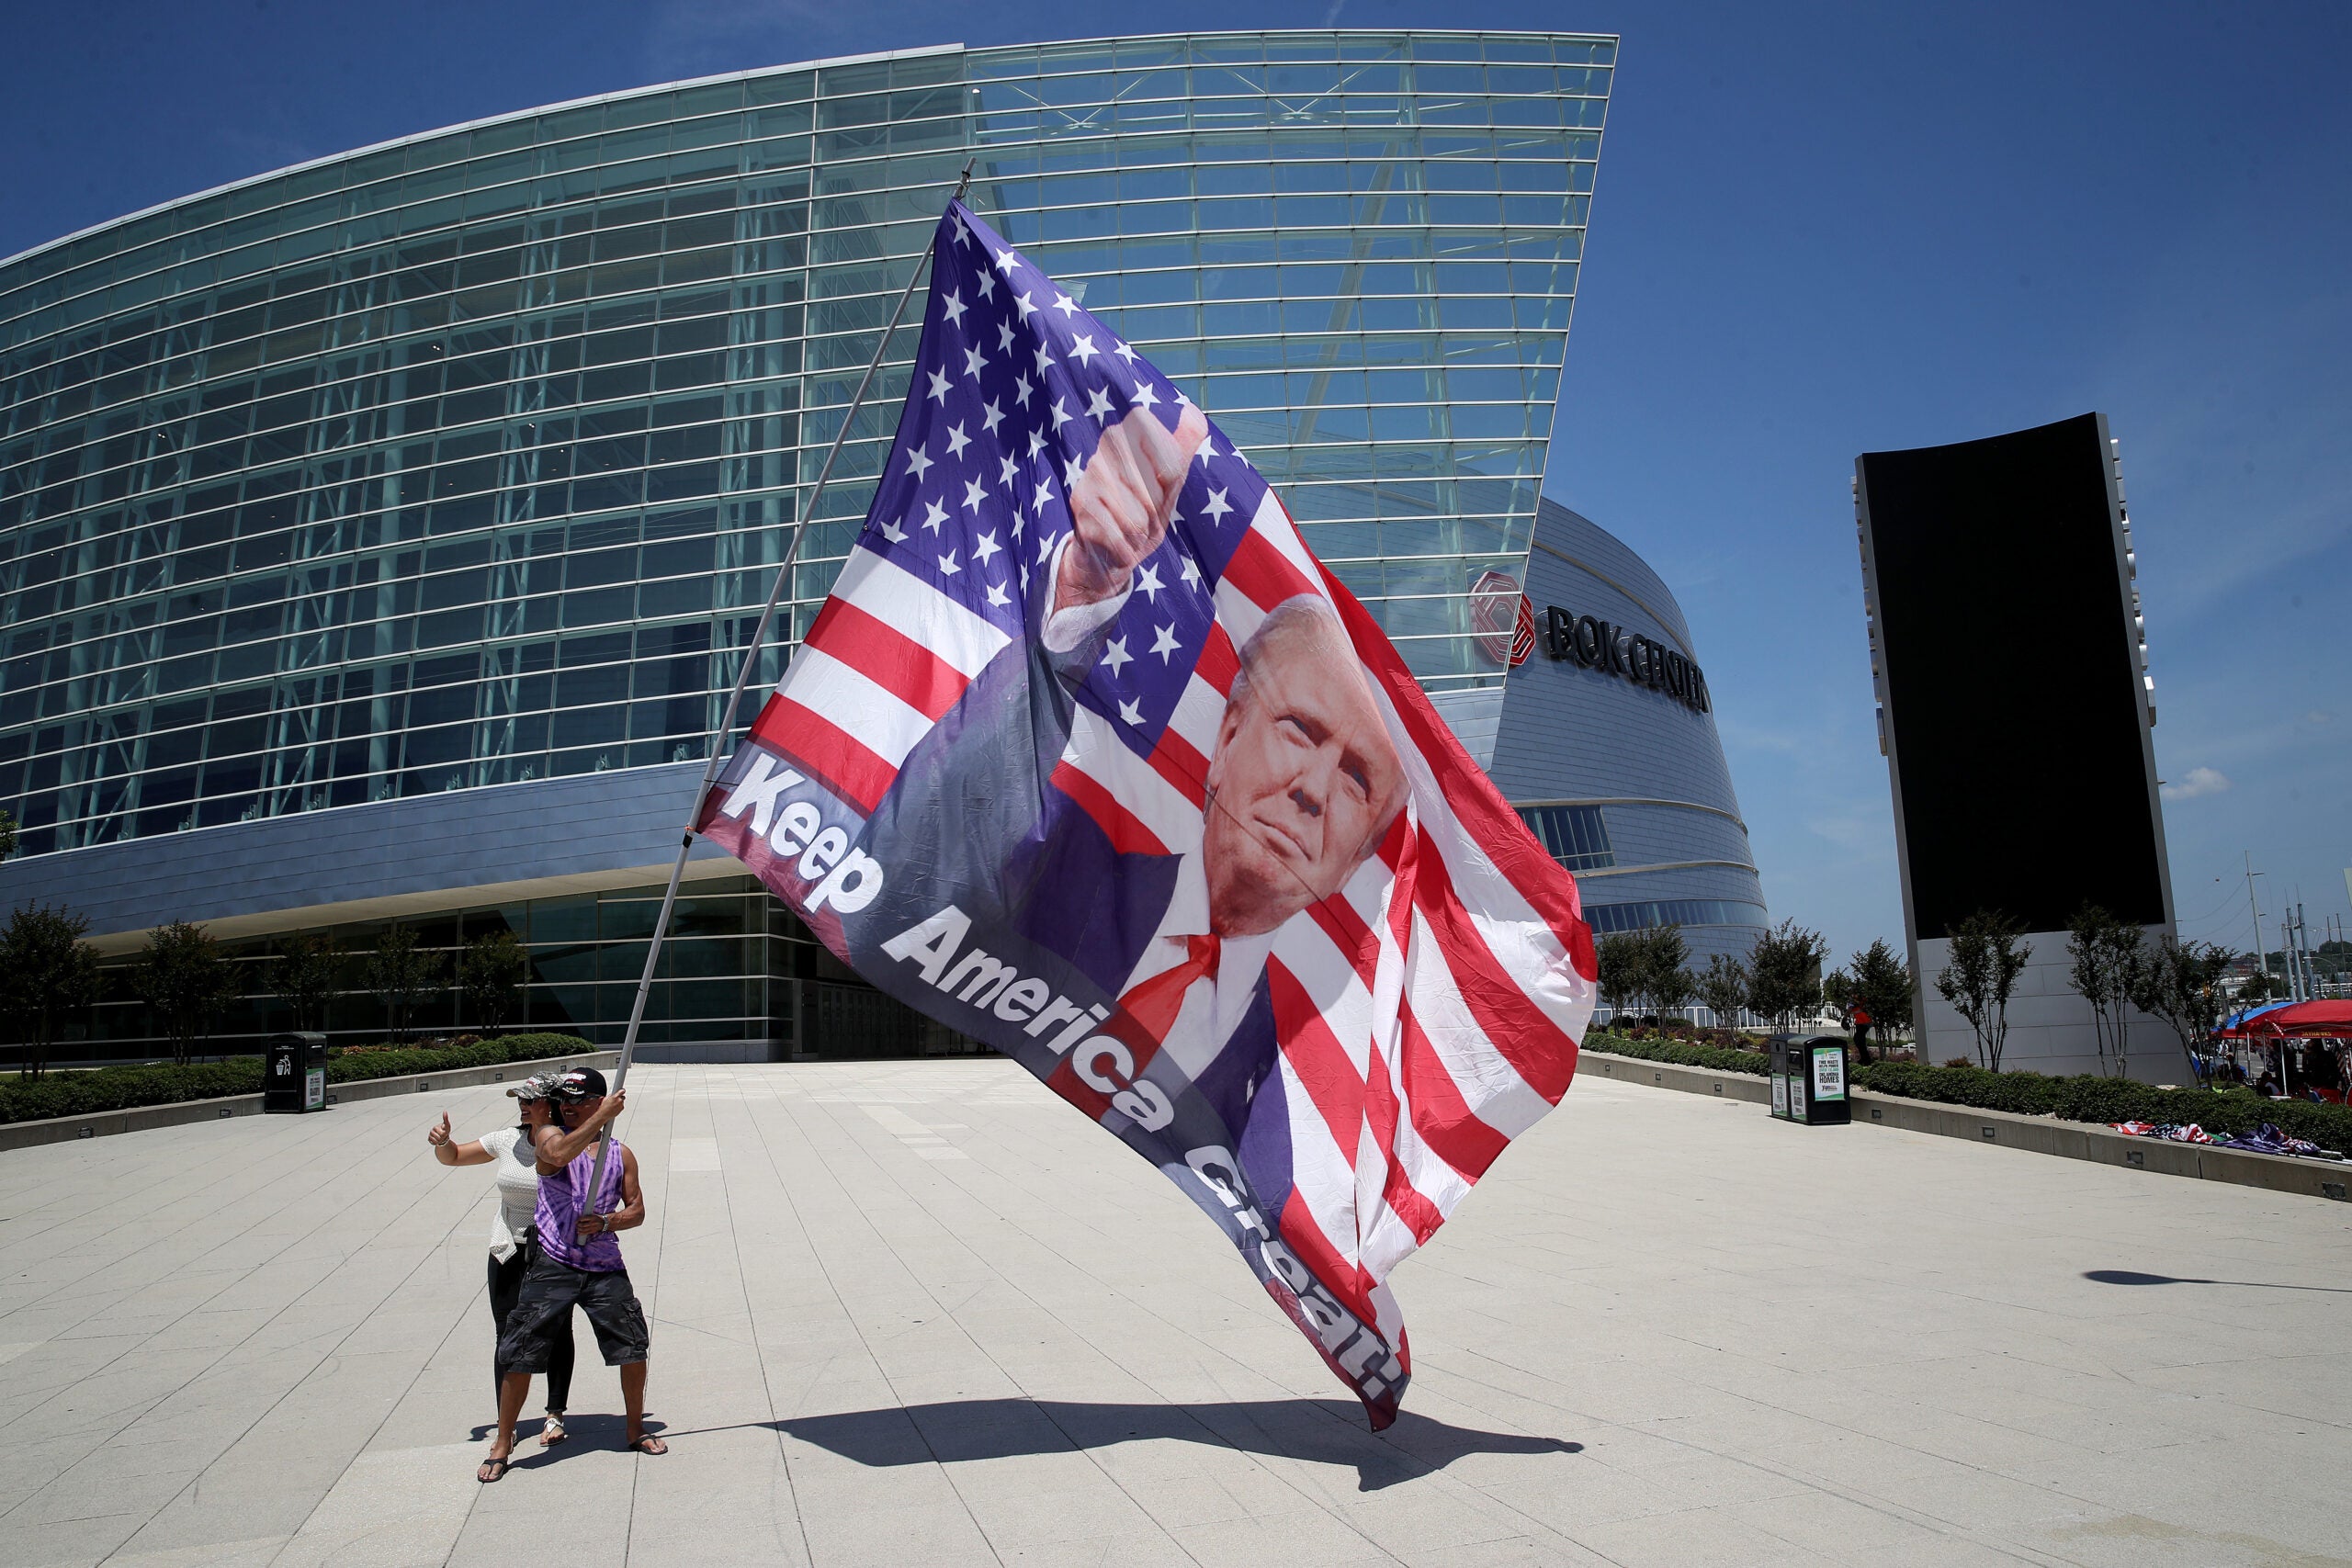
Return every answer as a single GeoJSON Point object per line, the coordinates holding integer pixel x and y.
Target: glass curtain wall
{"type": "Point", "coordinates": [467, 460]}
{"type": "Point", "coordinates": [1576, 836]}
{"type": "Point", "coordinates": [1648, 913]}
{"type": "Point", "coordinates": [737, 968]}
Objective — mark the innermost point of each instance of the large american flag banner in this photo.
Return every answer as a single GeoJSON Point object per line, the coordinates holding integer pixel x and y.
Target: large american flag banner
{"type": "Point", "coordinates": [1088, 757]}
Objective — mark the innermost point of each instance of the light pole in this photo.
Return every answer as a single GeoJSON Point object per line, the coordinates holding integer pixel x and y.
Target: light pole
{"type": "Point", "coordinates": [2260, 957]}
{"type": "Point", "coordinates": [2303, 956]}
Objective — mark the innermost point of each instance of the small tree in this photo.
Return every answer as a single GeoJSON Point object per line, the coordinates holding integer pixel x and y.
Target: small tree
{"type": "Point", "coordinates": [1784, 973]}
{"type": "Point", "coordinates": [400, 977]}
{"type": "Point", "coordinates": [1986, 960]}
{"type": "Point", "coordinates": [2260, 986]}
{"type": "Point", "coordinates": [183, 978]}
{"type": "Point", "coordinates": [1618, 958]}
{"type": "Point", "coordinates": [1838, 996]}
{"type": "Point", "coordinates": [491, 976]}
{"type": "Point", "coordinates": [1883, 987]}
{"type": "Point", "coordinates": [47, 973]}
{"type": "Point", "coordinates": [2106, 956]}
{"type": "Point", "coordinates": [1666, 977]}
{"type": "Point", "coordinates": [2181, 983]}
{"type": "Point", "coordinates": [303, 976]}
{"type": "Point", "coordinates": [8, 835]}
{"type": "Point", "coordinates": [1724, 987]}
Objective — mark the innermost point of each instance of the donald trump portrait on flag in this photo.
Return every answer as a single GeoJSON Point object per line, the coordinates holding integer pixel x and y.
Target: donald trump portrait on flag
{"type": "Point", "coordinates": [1088, 757]}
{"type": "Point", "coordinates": [1301, 785]}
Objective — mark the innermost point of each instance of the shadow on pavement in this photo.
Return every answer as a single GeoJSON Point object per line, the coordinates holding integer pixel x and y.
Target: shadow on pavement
{"type": "Point", "coordinates": [2127, 1276]}
{"type": "Point", "coordinates": [1325, 1431]}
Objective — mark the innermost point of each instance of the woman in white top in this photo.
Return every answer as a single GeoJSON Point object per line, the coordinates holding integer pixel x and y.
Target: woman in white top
{"type": "Point", "coordinates": [511, 1239]}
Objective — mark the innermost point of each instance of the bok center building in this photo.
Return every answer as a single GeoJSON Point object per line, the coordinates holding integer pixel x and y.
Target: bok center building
{"type": "Point", "coordinates": [1607, 744]}
{"type": "Point", "coordinates": [379, 537]}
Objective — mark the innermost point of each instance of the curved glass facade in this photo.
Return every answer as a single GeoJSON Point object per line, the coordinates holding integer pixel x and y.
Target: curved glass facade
{"type": "Point", "coordinates": [1645, 914]}
{"type": "Point", "coordinates": [1624, 783]}
{"type": "Point", "coordinates": [464, 461]}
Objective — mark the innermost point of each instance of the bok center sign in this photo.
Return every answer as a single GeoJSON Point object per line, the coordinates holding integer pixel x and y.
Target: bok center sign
{"type": "Point", "coordinates": [1504, 619]}
{"type": "Point", "coordinates": [1599, 644]}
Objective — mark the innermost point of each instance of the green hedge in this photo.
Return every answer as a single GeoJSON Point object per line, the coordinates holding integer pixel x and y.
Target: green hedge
{"type": "Point", "coordinates": [2085, 1098]}
{"type": "Point", "coordinates": [121, 1088]}
{"type": "Point", "coordinates": [1713, 1057]}
{"type": "Point", "coordinates": [354, 1066]}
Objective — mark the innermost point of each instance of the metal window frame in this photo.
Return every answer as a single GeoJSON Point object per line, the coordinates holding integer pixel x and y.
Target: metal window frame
{"type": "Point", "coordinates": [1434, 236]}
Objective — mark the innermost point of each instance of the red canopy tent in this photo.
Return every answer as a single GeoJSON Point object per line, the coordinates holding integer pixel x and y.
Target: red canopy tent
{"type": "Point", "coordinates": [2273, 1027]}
{"type": "Point", "coordinates": [2329, 1017]}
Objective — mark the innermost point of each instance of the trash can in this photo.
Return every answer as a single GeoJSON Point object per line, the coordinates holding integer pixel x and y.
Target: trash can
{"type": "Point", "coordinates": [1809, 1080]}
{"type": "Point", "coordinates": [296, 1074]}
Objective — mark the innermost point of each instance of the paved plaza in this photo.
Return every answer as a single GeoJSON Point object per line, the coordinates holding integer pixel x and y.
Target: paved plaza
{"type": "Point", "coordinates": [919, 1312]}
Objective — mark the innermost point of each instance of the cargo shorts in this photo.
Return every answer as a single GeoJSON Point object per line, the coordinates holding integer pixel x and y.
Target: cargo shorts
{"type": "Point", "coordinates": [550, 1290]}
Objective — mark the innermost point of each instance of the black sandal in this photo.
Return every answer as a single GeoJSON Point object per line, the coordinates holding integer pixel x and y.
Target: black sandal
{"type": "Point", "coordinates": [486, 1477]}
{"type": "Point", "coordinates": [636, 1445]}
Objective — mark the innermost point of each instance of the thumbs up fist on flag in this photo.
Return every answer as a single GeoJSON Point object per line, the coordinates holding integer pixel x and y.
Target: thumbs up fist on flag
{"type": "Point", "coordinates": [1121, 504]}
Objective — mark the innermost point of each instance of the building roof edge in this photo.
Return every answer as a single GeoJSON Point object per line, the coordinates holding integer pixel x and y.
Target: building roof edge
{"type": "Point", "coordinates": [440, 130]}
{"type": "Point", "coordinates": [1676, 626]}
{"type": "Point", "coordinates": [830, 60]}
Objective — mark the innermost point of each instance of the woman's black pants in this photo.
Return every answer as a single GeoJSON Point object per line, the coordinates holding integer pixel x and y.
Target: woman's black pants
{"type": "Point", "coordinates": [505, 1284]}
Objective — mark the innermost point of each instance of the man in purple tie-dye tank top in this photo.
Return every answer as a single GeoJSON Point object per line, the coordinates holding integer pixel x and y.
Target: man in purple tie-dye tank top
{"type": "Point", "coordinates": [578, 1263]}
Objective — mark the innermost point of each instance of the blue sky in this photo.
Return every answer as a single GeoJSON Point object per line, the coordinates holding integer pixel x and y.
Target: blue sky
{"type": "Point", "coordinates": [1820, 230]}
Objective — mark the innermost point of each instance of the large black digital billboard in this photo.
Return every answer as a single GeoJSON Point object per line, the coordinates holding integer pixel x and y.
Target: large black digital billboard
{"type": "Point", "coordinates": [2016, 721]}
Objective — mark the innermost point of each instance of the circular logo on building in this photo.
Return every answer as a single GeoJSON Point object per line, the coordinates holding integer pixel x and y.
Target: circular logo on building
{"type": "Point", "coordinates": [1503, 619]}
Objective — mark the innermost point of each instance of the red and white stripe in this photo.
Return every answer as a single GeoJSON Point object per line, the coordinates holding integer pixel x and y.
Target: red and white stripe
{"type": "Point", "coordinates": [1139, 800]}
{"type": "Point", "coordinates": [887, 656]}
{"type": "Point", "coordinates": [1429, 1013]}
{"type": "Point", "coordinates": [1137, 806]}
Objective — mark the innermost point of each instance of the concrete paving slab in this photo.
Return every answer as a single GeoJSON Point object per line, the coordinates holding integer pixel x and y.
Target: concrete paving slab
{"type": "Point", "coordinates": [1667, 1331]}
{"type": "Point", "coordinates": [259, 1552]}
{"type": "Point", "coordinates": [68, 1542]}
{"type": "Point", "coordinates": [389, 1510]}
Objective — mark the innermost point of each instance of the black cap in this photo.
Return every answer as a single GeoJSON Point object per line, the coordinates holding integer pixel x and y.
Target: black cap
{"type": "Point", "coordinates": [580, 1083]}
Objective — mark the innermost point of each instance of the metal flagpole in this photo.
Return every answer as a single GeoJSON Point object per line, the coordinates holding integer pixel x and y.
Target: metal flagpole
{"type": "Point", "coordinates": [734, 699]}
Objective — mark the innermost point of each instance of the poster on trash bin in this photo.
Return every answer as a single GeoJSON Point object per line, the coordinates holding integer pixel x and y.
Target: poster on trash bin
{"type": "Point", "coordinates": [1829, 1074]}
